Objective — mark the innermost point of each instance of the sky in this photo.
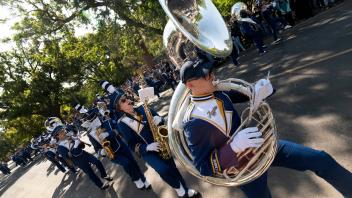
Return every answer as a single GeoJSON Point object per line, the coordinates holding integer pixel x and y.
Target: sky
{"type": "Point", "coordinates": [5, 28]}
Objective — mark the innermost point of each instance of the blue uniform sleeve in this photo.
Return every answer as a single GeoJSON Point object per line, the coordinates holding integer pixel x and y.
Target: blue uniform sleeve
{"type": "Point", "coordinates": [208, 159]}
{"type": "Point", "coordinates": [96, 145]}
{"type": "Point", "coordinates": [132, 139]}
{"type": "Point", "coordinates": [63, 152]}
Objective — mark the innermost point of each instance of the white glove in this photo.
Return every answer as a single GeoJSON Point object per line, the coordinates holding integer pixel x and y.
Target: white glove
{"type": "Point", "coordinates": [111, 89]}
{"type": "Point", "coordinates": [102, 153]}
{"type": "Point", "coordinates": [77, 141]}
{"type": "Point", "coordinates": [155, 146]}
{"type": "Point", "coordinates": [247, 138]}
{"type": "Point", "coordinates": [157, 120]}
{"type": "Point", "coordinates": [263, 88]}
{"type": "Point", "coordinates": [53, 141]}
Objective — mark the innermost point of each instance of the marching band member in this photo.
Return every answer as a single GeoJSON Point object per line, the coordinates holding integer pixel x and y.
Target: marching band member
{"type": "Point", "coordinates": [100, 131]}
{"type": "Point", "coordinates": [34, 146]}
{"type": "Point", "coordinates": [65, 162]}
{"type": "Point", "coordinates": [211, 119]}
{"type": "Point", "coordinates": [70, 149]}
{"type": "Point", "coordinates": [136, 131]}
{"type": "Point", "coordinates": [111, 90]}
{"type": "Point", "coordinates": [50, 154]}
{"type": "Point", "coordinates": [4, 168]}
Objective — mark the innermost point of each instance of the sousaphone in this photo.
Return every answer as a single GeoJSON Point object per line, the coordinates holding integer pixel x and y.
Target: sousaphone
{"type": "Point", "coordinates": [194, 24]}
{"type": "Point", "coordinates": [197, 25]}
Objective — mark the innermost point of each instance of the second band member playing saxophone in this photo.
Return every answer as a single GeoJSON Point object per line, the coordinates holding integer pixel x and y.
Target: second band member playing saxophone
{"type": "Point", "coordinates": [135, 129]}
{"type": "Point", "coordinates": [100, 132]}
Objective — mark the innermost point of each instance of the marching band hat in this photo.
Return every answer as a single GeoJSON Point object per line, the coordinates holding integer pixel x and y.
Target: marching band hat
{"type": "Point", "coordinates": [194, 69]}
{"type": "Point", "coordinates": [80, 108]}
{"type": "Point", "coordinates": [114, 99]}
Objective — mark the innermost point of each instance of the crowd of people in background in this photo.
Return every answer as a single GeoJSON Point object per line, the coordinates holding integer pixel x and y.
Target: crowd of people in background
{"type": "Point", "coordinates": [269, 19]}
{"type": "Point", "coordinates": [161, 76]}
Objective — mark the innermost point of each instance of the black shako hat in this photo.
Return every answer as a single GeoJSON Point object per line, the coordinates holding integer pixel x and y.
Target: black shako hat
{"type": "Point", "coordinates": [194, 69]}
{"type": "Point", "coordinates": [114, 100]}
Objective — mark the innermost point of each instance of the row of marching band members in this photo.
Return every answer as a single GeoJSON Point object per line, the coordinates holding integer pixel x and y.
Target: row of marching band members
{"type": "Point", "coordinates": [116, 129]}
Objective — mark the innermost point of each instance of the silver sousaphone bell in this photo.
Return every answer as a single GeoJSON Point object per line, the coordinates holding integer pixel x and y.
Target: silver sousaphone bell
{"type": "Point", "coordinates": [194, 23]}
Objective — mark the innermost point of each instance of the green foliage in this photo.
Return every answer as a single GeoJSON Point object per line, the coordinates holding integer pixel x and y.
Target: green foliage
{"type": "Point", "coordinates": [224, 6]}
{"type": "Point", "coordinates": [50, 65]}
{"type": "Point", "coordinates": [19, 133]}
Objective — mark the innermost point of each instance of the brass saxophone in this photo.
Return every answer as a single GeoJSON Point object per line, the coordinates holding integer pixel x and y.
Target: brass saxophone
{"type": "Point", "coordinates": [160, 134]}
{"type": "Point", "coordinates": [105, 143]}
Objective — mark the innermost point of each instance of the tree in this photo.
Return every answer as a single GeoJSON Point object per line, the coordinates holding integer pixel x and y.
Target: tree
{"type": "Point", "coordinates": [41, 19]}
{"type": "Point", "coordinates": [50, 65]}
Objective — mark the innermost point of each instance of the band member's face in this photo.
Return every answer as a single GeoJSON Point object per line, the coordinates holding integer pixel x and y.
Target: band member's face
{"type": "Point", "coordinates": [201, 85]}
{"type": "Point", "coordinates": [126, 105]}
{"type": "Point", "coordinates": [61, 135]}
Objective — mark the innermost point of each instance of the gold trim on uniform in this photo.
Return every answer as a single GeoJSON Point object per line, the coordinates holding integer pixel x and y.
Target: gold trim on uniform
{"type": "Point", "coordinates": [215, 165]}
{"type": "Point", "coordinates": [222, 111]}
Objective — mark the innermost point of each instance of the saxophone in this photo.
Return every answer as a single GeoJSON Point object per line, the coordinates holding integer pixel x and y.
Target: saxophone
{"type": "Point", "coordinates": [105, 144]}
{"type": "Point", "coordinates": [160, 134]}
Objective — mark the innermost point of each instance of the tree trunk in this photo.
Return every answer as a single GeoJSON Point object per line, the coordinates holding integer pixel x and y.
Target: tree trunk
{"type": "Point", "coordinates": [148, 59]}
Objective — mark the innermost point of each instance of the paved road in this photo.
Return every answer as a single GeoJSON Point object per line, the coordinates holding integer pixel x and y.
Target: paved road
{"type": "Point", "coordinates": [312, 72]}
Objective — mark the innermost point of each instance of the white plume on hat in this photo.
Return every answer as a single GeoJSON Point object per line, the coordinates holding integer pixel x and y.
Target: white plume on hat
{"type": "Point", "coordinates": [81, 108]}
{"type": "Point", "coordinates": [108, 87]}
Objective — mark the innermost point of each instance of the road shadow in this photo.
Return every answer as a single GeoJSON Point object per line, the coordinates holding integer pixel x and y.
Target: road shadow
{"type": "Point", "coordinates": [121, 185]}
{"type": "Point", "coordinates": [18, 172]}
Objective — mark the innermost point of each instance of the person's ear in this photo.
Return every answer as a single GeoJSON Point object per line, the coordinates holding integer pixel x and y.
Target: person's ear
{"type": "Point", "coordinates": [208, 76]}
{"type": "Point", "coordinates": [212, 76]}
{"type": "Point", "coordinates": [189, 85]}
